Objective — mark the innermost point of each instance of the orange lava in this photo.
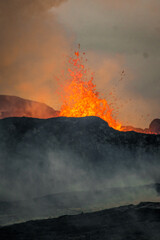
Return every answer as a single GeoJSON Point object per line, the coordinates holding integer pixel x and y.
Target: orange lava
{"type": "Point", "coordinates": [80, 98]}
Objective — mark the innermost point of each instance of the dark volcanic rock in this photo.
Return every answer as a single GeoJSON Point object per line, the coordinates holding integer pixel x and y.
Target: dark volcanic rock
{"type": "Point", "coordinates": [55, 205]}
{"type": "Point", "coordinates": [39, 157]}
{"type": "Point", "coordinates": [59, 155]}
{"type": "Point", "coordinates": [140, 222]}
{"type": "Point", "coordinates": [155, 126]}
{"type": "Point", "coordinates": [12, 106]}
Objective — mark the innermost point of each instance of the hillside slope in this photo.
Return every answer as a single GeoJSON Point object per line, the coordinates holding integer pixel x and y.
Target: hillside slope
{"type": "Point", "coordinates": [39, 157]}
{"type": "Point", "coordinates": [12, 106]}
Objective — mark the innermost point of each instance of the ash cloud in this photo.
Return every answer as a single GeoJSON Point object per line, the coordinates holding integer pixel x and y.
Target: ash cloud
{"type": "Point", "coordinates": [26, 7]}
{"type": "Point", "coordinates": [32, 46]}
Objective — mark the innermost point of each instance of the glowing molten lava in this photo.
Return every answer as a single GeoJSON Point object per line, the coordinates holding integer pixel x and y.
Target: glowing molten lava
{"type": "Point", "coordinates": [80, 98]}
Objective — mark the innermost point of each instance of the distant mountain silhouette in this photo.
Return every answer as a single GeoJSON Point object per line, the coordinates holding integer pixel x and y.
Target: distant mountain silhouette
{"type": "Point", "coordinates": [155, 126]}
{"type": "Point", "coordinates": [12, 106]}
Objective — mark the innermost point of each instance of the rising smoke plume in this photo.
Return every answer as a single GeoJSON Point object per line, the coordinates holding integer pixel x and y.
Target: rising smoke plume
{"type": "Point", "coordinates": [32, 44]}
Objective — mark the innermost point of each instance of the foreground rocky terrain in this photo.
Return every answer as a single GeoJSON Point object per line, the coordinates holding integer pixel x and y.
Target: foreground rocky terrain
{"type": "Point", "coordinates": [136, 222]}
{"type": "Point", "coordinates": [77, 164]}
{"type": "Point", "coordinates": [55, 205]}
{"type": "Point", "coordinates": [40, 157]}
